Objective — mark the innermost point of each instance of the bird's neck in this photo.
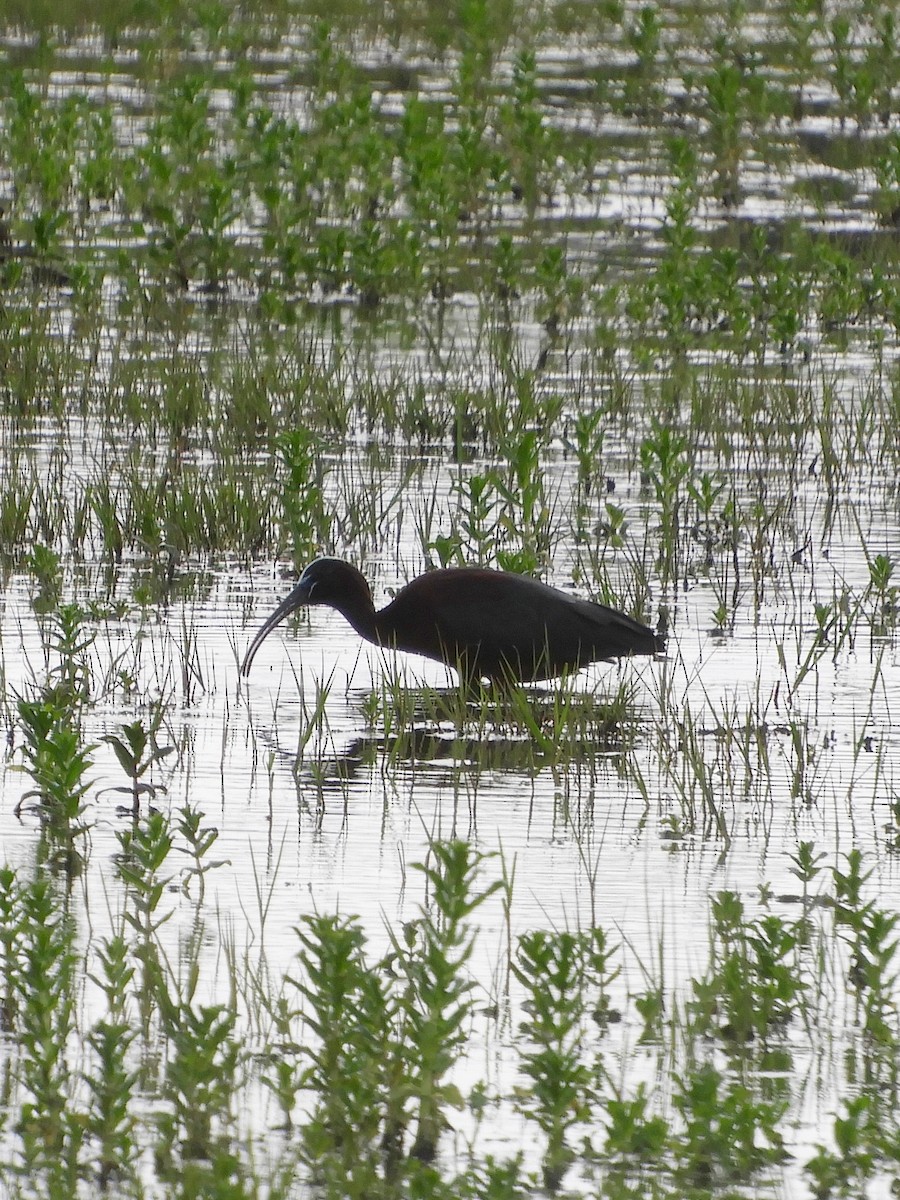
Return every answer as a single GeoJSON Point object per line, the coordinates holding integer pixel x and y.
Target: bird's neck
{"type": "Point", "coordinates": [360, 612]}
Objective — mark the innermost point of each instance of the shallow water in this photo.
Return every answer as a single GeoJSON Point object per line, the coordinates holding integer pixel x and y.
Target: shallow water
{"type": "Point", "coordinates": [318, 815]}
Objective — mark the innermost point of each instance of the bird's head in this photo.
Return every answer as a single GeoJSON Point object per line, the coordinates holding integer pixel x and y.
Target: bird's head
{"type": "Point", "coordinates": [325, 581]}
{"type": "Point", "coordinates": [329, 581]}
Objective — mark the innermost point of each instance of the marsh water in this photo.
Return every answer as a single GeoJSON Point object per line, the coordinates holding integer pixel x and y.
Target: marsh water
{"type": "Point", "coordinates": [659, 367]}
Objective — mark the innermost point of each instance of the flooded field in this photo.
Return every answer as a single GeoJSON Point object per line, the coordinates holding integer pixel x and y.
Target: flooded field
{"type": "Point", "coordinates": [603, 294]}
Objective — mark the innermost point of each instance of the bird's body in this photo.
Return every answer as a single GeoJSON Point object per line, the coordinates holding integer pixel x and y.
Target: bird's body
{"type": "Point", "coordinates": [484, 623]}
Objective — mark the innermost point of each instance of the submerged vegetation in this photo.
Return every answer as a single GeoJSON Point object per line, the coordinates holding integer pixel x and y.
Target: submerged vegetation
{"type": "Point", "coordinates": [607, 293]}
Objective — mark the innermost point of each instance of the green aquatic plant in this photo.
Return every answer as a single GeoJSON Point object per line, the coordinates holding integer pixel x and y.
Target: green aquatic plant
{"type": "Point", "coordinates": [143, 859]}
{"type": "Point", "coordinates": [643, 86]}
{"type": "Point", "coordinates": [58, 763]}
{"type": "Point", "coordinates": [183, 189]}
{"type": "Point", "coordinates": [138, 751]}
{"type": "Point", "coordinates": [112, 1081]}
{"type": "Point", "coordinates": [434, 955]}
{"type": "Point", "coordinates": [349, 1014]}
{"type": "Point", "coordinates": [306, 518]}
{"type": "Point", "coordinates": [667, 290]}
{"type": "Point", "coordinates": [382, 1049]}
{"type": "Point", "coordinates": [753, 987]}
{"type": "Point", "coordinates": [871, 935]}
{"type": "Point", "coordinates": [633, 1132]}
{"type": "Point", "coordinates": [566, 975]}
{"type": "Point", "coordinates": [68, 636]}
{"type": "Point", "coordinates": [196, 1121]}
{"type": "Point", "coordinates": [584, 439]}
{"type": "Point", "coordinates": [531, 150]}
{"type": "Point", "coordinates": [45, 564]}
{"type": "Point", "coordinates": [48, 1127]}
{"type": "Point", "coordinates": [735, 97]}
{"type": "Point", "coordinates": [729, 1133]}
{"type": "Point", "coordinates": [857, 1137]}
{"type": "Point", "coordinates": [886, 199]}
{"type": "Point", "coordinates": [666, 463]}
{"type": "Point", "coordinates": [504, 517]}
{"type": "Point", "coordinates": [883, 592]}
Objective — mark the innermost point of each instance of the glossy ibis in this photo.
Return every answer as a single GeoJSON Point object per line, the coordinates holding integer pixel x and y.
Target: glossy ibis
{"type": "Point", "coordinates": [484, 623]}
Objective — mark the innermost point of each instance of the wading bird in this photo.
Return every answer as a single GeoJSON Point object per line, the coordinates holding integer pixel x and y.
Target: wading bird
{"type": "Point", "coordinates": [485, 624]}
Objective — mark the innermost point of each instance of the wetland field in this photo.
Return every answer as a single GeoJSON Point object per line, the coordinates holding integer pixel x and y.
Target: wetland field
{"type": "Point", "coordinates": [603, 292]}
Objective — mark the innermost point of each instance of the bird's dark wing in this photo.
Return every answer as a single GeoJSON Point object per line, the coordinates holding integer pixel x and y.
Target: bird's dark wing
{"type": "Point", "coordinates": [495, 623]}
{"type": "Point", "coordinates": [445, 612]}
{"type": "Point", "coordinates": [608, 632]}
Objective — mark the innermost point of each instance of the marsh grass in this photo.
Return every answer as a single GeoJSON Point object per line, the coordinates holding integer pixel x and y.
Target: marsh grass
{"type": "Point", "coordinates": [466, 735]}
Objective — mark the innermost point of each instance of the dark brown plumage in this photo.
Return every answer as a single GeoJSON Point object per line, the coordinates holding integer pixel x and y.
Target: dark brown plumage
{"type": "Point", "coordinates": [485, 624]}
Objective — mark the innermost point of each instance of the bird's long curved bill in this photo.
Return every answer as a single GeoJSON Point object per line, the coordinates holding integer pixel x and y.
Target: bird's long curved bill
{"type": "Point", "coordinates": [294, 600]}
